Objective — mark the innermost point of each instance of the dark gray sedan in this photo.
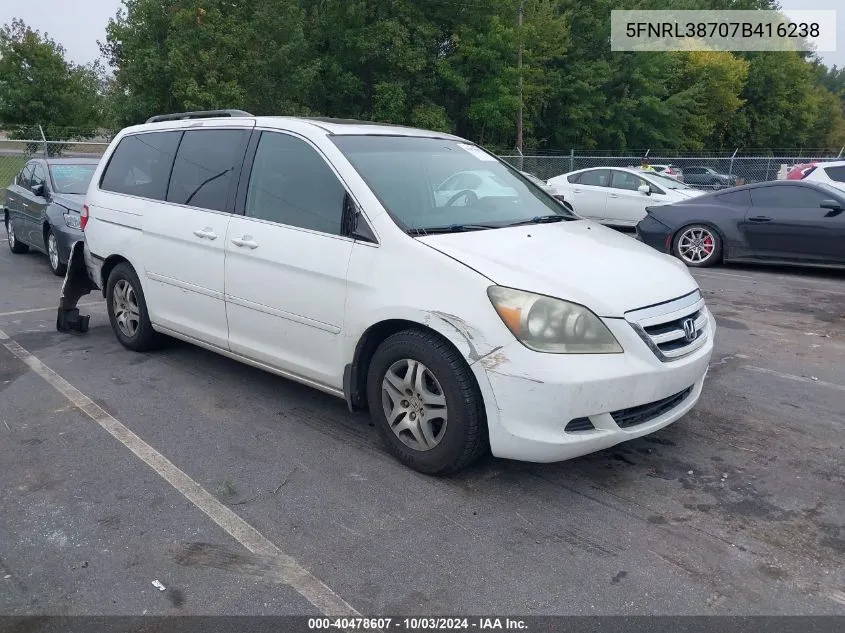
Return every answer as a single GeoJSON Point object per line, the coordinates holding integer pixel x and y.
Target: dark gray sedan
{"type": "Point", "coordinates": [43, 204]}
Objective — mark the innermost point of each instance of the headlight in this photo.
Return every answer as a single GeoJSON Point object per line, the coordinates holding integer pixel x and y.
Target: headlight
{"type": "Point", "coordinates": [544, 324]}
{"type": "Point", "coordinates": [73, 221]}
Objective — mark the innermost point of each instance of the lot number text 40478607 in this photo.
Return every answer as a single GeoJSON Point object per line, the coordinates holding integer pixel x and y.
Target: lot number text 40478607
{"type": "Point", "coordinates": [418, 624]}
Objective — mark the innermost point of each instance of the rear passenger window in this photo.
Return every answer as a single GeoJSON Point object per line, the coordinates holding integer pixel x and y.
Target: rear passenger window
{"type": "Point", "coordinates": [141, 164]}
{"type": "Point", "coordinates": [735, 198]}
{"type": "Point", "coordinates": [596, 177]}
{"type": "Point", "coordinates": [292, 184]}
{"type": "Point", "coordinates": [205, 167]}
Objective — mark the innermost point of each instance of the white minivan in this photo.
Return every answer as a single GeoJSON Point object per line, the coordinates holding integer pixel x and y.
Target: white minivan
{"type": "Point", "coordinates": [323, 251]}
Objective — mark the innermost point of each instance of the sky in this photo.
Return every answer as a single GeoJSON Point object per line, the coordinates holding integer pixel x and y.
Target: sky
{"type": "Point", "coordinates": [77, 25]}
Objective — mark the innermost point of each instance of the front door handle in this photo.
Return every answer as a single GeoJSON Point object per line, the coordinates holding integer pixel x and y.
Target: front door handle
{"type": "Point", "coordinates": [207, 233]}
{"type": "Point", "coordinates": [759, 219]}
{"type": "Point", "coordinates": [245, 241]}
{"type": "Point", "coordinates": [576, 191]}
{"type": "Point", "coordinates": [612, 195]}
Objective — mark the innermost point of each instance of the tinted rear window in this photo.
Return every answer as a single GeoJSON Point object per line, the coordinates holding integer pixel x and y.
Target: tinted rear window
{"type": "Point", "coordinates": [141, 164]}
{"type": "Point", "coordinates": [205, 167]}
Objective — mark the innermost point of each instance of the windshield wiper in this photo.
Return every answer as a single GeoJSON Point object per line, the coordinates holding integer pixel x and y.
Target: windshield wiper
{"type": "Point", "coordinates": [540, 219]}
{"type": "Point", "coordinates": [453, 228]}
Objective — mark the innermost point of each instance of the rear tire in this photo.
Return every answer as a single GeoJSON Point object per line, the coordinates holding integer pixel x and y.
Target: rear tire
{"type": "Point", "coordinates": [428, 410]}
{"type": "Point", "coordinates": [16, 247]}
{"type": "Point", "coordinates": [698, 246]}
{"type": "Point", "coordinates": [127, 310]}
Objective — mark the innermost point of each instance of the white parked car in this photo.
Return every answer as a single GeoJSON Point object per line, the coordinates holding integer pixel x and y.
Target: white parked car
{"type": "Point", "coordinates": [833, 173]}
{"type": "Point", "coordinates": [467, 186]}
{"type": "Point", "coordinates": [618, 195]}
{"type": "Point", "coordinates": [321, 251]}
{"type": "Point", "coordinates": [672, 171]}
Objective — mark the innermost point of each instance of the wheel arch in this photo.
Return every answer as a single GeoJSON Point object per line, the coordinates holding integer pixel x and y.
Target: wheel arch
{"type": "Point", "coordinates": [108, 265]}
{"type": "Point", "coordinates": [355, 372]}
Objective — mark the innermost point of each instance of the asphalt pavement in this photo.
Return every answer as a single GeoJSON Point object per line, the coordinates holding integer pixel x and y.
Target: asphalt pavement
{"type": "Point", "coordinates": [243, 493]}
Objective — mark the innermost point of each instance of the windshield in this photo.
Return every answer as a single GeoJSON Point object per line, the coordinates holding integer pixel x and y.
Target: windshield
{"type": "Point", "coordinates": [667, 182]}
{"type": "Point", "coordinates": [71, 178]}
{"type": "Point", "coordinates": [429, 183]}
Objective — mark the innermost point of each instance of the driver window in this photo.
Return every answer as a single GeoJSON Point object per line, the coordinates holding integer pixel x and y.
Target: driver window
{"type": "Point", "coordinates": [38, 176]}
{"type": "Point", "coordinates": [624, 180]}
{"type": "Point", "coordinates": [25, 176]}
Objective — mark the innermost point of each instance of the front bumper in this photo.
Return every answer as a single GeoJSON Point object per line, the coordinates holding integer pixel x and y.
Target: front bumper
{"type": "Point", "coordinates": [66, 237]}
{"type": "Point", "coordinates": [531, 397]}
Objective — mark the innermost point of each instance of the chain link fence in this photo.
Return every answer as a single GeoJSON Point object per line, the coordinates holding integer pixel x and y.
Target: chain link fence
{"type": "Point", "coordinates": [15, 153]}
{"type": "Point", "coordinates": [739, 168]}
{"type": "Point", "coordinates": [742, 168]}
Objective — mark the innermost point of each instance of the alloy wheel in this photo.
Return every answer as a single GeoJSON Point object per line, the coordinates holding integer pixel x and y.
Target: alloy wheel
{"type": "Point", "coordinates": [125, 307]}
{"type": "Point", "coordinates": [696, 245]}
{"type": "Point", "coordinates": [414, 404]}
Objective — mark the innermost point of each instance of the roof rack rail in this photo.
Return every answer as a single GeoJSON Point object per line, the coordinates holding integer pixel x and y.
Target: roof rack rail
{"type": "Point", "coordinates": [199, 114]}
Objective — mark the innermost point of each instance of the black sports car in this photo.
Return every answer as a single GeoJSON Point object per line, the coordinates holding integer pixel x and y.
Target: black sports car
{"type": "Point", "coordinates": [781, 222]}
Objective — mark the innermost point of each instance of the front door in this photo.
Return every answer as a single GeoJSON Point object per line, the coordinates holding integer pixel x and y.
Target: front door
{"type": "Point", "coordinates": [786, 222]}
{"type": "Point", "coordinates": [625, 202]}
{"type": "Point", "coordinates": [32, 207]}
{"type": "Point", "coordinates": [286, 262]}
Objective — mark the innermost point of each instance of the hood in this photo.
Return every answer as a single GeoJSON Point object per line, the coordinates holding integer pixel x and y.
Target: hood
{"type": "Point", "coordinates": [72, 201]}
{"type": "Point", "coordinates": [578, 261]}
{"type": "Point", "coordinates": [684, 194]}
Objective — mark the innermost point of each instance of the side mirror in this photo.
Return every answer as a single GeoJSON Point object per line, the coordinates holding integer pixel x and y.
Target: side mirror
{"type": "Point", "coordinates": [38, 189]}
{"type": "Point", "coordinates": [644, 189]}
{"type": "Point", "coordinates": [833, 205]}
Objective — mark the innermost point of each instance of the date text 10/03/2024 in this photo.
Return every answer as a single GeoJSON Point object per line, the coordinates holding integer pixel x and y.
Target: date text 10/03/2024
{"type": "Point", "coordinates": [418, 624]}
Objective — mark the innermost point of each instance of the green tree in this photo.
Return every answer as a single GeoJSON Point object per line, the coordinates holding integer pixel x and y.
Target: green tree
{"type": "Point", "coordinates": [173, 55]}
{"type": "Point", "coordinates": [38, 86]}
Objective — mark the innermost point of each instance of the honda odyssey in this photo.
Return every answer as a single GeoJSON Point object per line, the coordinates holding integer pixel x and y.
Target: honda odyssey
{"type": "Point", "coordinates": [325, 251]}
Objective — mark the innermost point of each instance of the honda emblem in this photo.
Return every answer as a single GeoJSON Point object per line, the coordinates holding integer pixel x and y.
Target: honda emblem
{"type": "Point", "coordinates": [690, 333]}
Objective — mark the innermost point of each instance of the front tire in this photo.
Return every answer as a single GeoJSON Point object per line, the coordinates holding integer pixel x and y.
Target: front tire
{"type": "Point", "coordinates": [698, 246]}
{"type": "Point", "coordinates": [127, 310]}
{"type": "Point", "coordinates": [16, 247]}
{"type": "Point", "coordinates": [52, 249]}
{"type": "Point", "coordinates": [425, 403]}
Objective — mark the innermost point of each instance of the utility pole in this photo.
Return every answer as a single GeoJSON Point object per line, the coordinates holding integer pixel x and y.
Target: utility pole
{"type": "Point", "coordinates": [519, 70]}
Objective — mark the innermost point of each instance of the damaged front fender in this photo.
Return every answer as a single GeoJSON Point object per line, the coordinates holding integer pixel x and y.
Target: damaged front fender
{"type": "Point", "coordinates": [76, 285]}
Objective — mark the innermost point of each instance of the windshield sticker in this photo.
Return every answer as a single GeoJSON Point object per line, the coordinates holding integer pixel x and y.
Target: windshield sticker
{"type": "Point", "coordinates": [475, 151]}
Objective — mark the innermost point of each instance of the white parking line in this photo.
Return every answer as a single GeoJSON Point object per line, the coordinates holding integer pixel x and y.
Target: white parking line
{"type": "Point", "coordinates": [772, 372]}
{"type": "Point", "coordinates": [31, 310]}
{"type": "Point", "coordinates": [293, 574]}
{"type": "Point", "coordinates": [711, 273]}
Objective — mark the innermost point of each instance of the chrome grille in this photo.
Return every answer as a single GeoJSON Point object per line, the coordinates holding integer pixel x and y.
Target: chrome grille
{"type": "Point", "coordinates": [672, 329]}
